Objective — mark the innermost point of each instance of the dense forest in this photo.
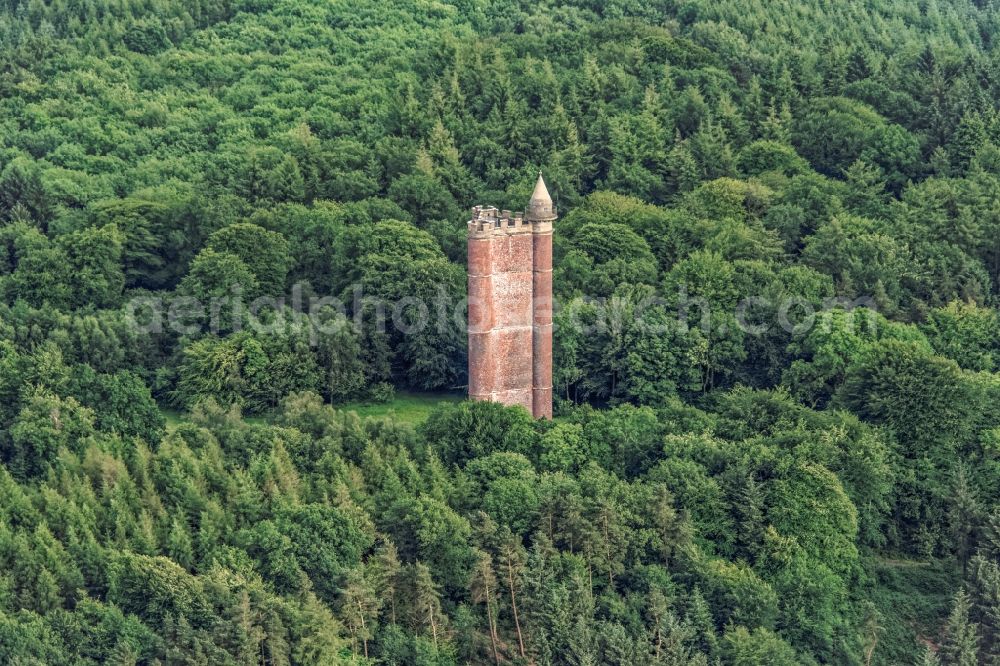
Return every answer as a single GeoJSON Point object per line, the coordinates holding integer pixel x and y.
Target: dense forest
{"type": "Point", "coordinates": [824, 492]}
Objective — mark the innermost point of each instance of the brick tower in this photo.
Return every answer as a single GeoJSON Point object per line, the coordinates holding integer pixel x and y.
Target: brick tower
{"type": "Point", "coordinates": [510, 304]}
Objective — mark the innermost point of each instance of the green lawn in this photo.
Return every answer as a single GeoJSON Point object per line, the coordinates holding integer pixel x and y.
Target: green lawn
{"type": "Point", "coordinates": [173, 417]}
{"type": "Point", "coordinates": [411, 408]}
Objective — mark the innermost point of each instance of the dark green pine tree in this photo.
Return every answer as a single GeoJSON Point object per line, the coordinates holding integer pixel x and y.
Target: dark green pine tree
{"type": "Point", "coordinates": [359, 607]}
{"type": "Point", "coordinates": [699, 617]}
{"type": "Point", "coordinates": [858, 66]}
{"type": "Point", "coordinates": [835, 66]}
{"type": "Point", "coordinates": [754, 109]}
{"type": "Point", "coordinates": [963, 516]}
{"type": "Point", "coordinates": [777, 125]}
{"type": "Point", "coordinates": [483, 587]}
{"type": "Point", "coordinates": [959, 647]}
{"type": "Point", "coordinates": [984, 578]}
{"type": "Point", "coordinates": [425, 603]}
{"type": "Point", "coordinates": [711, 150]}
{"type": "Point", "coordinates": [968, 138]}
{"type": "Point", "coordinates": [733, 122]}
{"type": "Point", "coordinates": [21, 183]}
{"type": "Point", "coordinates": [747, 500]}
{"type": "Point", "coordinates": [683, 174]}
{"type": "Point", "coordinates": [180, 546]}
{"type": "Point", "coordinates": [285, 181]}
{"type": "Point", "coordinates": [866, 190]}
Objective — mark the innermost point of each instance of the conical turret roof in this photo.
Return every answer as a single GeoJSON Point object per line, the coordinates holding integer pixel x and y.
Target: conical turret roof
{"type": "Point", "coordinates": [540, 204]}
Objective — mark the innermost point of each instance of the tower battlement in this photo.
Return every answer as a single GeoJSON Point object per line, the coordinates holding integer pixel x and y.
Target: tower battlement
{"type": "Point", "coordinates": [489, 220]}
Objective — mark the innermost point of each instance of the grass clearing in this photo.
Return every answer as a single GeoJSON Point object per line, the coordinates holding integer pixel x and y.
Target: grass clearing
{"type": "Point", "coordinates": [411, 408]}
{"type": "Point", "coordinates": [405, 407]}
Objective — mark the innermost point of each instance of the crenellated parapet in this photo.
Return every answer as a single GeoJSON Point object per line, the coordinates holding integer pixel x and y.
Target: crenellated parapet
{"type": "Point", "coordinates": [488, 220]}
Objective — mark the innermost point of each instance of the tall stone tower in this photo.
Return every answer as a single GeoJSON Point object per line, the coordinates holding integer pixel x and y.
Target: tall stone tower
{"type": "Point", "coordinates": [510, 304]}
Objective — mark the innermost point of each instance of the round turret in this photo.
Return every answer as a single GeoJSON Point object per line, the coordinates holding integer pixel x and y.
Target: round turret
{"type": "Point", "coordinates": [540, 206]}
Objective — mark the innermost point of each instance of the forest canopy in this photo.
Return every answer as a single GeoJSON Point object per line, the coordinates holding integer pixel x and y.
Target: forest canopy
{"type": "Point", "coordinates": [205, 492]}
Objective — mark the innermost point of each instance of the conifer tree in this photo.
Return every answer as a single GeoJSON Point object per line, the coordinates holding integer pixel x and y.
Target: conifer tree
{"type": "Point", "coordinates": [929, 657]}
{"type": "Point", "coordinates": [969, 137]}
{"type": "Point", "coordinates": [657, 610]}
{"type": "Point", "coordinates": [777, 125]}
{"type": "Point", "coordinates": [959, 646]}
{"type": "Point", "coordinates": [359, 605]}
{"type": "Point", "coordinates": [963, 515]}
{"type": "Point", "coordinates": [180, 547]}
{"type": "Point", "coordinates": [866, 190]}
{"type": "Point", "coordinates": [754, 109]}
{"type": "Point", "coordinates": [425, 602]}
{"type": "Point", "coordinates": [512, 566]}
{"type": "Point", "coordinates": [747, 500]}
{"type": "Point", "coordinates": [384, 569]}
{"type": "Point", "coordinates": [699, 618]}
{"type": "Point", "coordinates": [683, 173]}
{"type": "Point", "coordinates": [985, 598]}
{"type": "Point", "coordinates": [483, 585]}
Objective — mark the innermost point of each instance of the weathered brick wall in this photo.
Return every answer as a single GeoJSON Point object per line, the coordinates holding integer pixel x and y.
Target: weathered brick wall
{"type": "Point", "coordinates": [480, 316]}
{"type": "Point", "coordinates": [500, 310]}
{"type": "Point", "coordinates": [541, 383]}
